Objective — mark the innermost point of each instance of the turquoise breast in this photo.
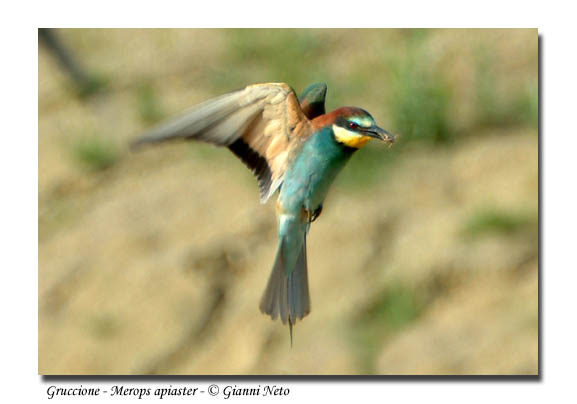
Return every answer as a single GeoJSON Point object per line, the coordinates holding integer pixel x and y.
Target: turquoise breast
{"type": "Point", "coordinates": [313, 170]}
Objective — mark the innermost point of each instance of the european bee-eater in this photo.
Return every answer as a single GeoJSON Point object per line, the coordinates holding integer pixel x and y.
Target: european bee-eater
{"type": "Point", "coordinates": [291, 147]}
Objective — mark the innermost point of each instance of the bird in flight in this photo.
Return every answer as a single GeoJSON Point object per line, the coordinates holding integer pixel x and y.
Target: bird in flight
{"type": "Point", "coordinates": [290, 145]}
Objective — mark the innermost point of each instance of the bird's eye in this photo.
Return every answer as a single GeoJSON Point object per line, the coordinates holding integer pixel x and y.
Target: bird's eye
{"type": "Point", "coordinates": [353, 125]}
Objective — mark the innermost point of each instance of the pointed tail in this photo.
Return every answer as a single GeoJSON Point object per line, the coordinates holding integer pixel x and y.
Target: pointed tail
{"type": "Point", "coordinates": [287, 292]}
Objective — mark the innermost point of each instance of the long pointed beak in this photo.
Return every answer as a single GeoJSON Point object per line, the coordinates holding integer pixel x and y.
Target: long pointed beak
{"type": "Point", "coordinates": [381, 134]}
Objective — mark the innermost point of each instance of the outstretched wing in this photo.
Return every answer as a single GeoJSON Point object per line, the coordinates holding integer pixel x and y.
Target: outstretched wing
{"type": "Point", "coordinates": [261, 124]}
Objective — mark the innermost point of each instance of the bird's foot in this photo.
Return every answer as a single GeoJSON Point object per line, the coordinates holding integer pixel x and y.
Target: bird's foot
{"type": "Point", "coordinates": [316, 213]}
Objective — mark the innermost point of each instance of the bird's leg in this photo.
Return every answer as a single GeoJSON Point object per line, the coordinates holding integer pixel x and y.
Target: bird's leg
{"type": "Point", "coordinates": [316, 213]}
{"type": "Point", "coordinates": [311, 215]}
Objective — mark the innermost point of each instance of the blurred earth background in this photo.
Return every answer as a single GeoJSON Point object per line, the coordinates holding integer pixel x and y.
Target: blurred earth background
{"type": "Point", "coordinates": [424, 261]}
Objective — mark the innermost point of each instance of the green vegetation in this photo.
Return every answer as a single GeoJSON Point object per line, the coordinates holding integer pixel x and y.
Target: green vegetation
{"type": "Point", "coordinates": [494, 221]}
{"type": "Point", "coordinates": [95, 154]}
{"type": "Point", "coordinates": [419, 105]}
{"type": "Point", "coordinates": [395, 308]}
{"type": "Point", "coordinates": [527, 105]}
{"type": "Point", "coordinates": [148, 104]}
{"type": "Point", "coordinates": [372, 164]}
{"type": "Point", "coordinates": [496, 104]}
{"type": "Point", "coordinates": [419, 97]}
{"type": "Point", "coordinates": [392, 310]}
{"type": "Point", "coordinates": [273, 55]}
{"type": "Point", "coordinates": [93, 85]}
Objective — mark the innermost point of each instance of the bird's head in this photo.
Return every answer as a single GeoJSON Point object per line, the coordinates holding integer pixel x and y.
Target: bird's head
{"type": "Point", "coordinates": [354, 127]}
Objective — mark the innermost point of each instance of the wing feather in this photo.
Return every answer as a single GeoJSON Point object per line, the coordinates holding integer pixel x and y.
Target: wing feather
{"type": "Point", "coordinates": [260, 124]}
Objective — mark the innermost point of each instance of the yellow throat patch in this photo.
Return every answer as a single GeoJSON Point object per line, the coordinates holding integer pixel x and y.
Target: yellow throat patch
{"type": "Point", "coordinates": [350, 138]}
